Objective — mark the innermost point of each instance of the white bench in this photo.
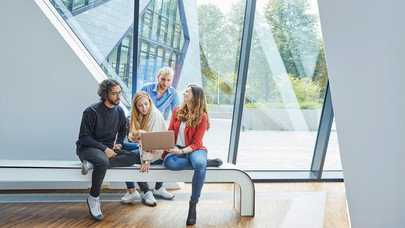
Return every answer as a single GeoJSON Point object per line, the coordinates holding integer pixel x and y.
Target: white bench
{"type": "Point", "coordinates": [63, 171]}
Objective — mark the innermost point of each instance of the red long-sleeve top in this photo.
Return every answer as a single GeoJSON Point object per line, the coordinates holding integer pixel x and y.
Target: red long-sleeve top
{"type": "Point", "coordinates": [193, 136]}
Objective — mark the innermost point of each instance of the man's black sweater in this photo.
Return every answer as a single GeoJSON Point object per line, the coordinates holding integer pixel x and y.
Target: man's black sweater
{"type": "Point", "coordinates": [100, 126]}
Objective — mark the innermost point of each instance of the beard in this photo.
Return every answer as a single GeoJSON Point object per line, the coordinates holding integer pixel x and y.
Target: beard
{"type": "Point", "coordinates": [114, 102]}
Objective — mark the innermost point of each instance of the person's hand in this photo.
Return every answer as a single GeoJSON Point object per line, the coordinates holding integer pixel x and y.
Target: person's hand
{"type": "Point", "coordinates": [135, 137]}
{"type": "Point", "coordinates": [117, 147]}
{"type": "Point", "coordinates": [144, 168]}
{"type": "Point", "coordinates": [109, 153]}
{"type": "Point", "coordinates": [141, 131]}
{"type": "Point", "coordinates": [175, 150]}
{"type": "Point", "coordinates": [151, 151]}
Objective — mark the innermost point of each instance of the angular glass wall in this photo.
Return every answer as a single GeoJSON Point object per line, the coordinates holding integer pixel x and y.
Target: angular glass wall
{"type": "Point", "coordinates": [163, 40]}
{"type": "Point", "coordinates": [219, 31]}
{"type": "Point", "coordinates": [285, 87]}
{"type": "Point", "coordinates": [102, 26]}
{"type": "Point", "coordinates": [105, 27]}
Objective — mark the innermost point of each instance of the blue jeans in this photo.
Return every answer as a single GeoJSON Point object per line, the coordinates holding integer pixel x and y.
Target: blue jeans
{"type": "Point", "coordinates": [129, 146]}
{"type": "Point", "coordinates": [196, 160]}
{"type": "Point", "coordinates": [142, 185]}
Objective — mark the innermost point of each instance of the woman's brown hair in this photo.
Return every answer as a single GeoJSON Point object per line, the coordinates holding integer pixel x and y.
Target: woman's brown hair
{"type": "Point", "coordinates": [192, 115]}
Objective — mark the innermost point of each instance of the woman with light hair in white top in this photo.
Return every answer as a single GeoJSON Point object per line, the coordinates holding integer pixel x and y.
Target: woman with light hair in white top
{"type": "Point", "coordinates": [145, 117]}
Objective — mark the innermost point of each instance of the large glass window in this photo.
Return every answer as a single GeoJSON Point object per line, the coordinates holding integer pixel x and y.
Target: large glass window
{"type": "Point", "coordinates": [104, 28]}
{"type": "Point", "coordinates": [159, 26]}
{"type": "Point", "coordinates": [201, 42]}
{"type": "Point", "coordinates": [219, 31]}
{"type": "Point", "coordinates": [285, 87]}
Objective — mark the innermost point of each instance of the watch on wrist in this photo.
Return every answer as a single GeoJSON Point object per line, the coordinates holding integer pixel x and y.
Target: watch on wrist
{"type": "Point", "coordinates": [182, 151]}
{"type": "Point", "coordinates": [147, 162]}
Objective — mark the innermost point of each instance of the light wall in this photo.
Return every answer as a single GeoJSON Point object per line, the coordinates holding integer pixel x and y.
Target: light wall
{"type": "Point", "coordinates": [364, 43]}
{"type": "Point", "coordinates": [44, 85]}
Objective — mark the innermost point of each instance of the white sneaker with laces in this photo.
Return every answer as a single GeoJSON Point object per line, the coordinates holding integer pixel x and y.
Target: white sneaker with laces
{"type": "Point", "coordinates": [130, 197]}
{"type": "Point", "coordinates": [162, 193]}
{"type": "Point", "coordinates": [86, 167]}
{"type": "Point", "coordinates": [148, 199]}
{"type": "Point", "coordinates": [94, 208]}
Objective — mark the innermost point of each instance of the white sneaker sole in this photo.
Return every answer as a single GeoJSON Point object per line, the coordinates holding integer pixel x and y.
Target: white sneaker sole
{"type": "Point", "coordinates": [130, 200]}
{"type": "Point", "coordinates": [162, 197]}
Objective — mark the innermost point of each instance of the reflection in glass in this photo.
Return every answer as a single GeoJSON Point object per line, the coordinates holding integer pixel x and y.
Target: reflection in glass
{"type": "Point", "coordinates": [101, 26]}
{"type": "Point", "coordinates": [105, 27]}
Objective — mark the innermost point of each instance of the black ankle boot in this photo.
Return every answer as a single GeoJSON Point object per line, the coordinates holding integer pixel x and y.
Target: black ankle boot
{"type": "Point", "coordinates": [214, 162]}
{"type": "Point", "coordinates": [192, 214]}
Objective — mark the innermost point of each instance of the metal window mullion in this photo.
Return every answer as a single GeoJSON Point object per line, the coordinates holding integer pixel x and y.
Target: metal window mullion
{"type": "Point", "coordinates": [135, 47]}
{"type": "Point", "coordinates": [241, 80]}
{"type": "Point", "coordinates": [322, 139]}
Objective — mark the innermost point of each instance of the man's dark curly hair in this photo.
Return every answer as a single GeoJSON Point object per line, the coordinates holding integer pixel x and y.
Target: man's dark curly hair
{"type": "Point", "coordinates": [105, 87]}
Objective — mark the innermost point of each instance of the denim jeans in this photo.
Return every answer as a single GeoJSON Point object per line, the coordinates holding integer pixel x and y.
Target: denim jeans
{"type": "Point", "coordinates": [142, 185]}
{"type": "Point", "coordinates": [101, 163]}
{"type": "Point", "coordinates": [196, 160]}
{"type": "Point", "coordinates": [129, 146]}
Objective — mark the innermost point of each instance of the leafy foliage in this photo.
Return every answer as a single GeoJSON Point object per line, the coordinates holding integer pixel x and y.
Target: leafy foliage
{"type": "Point", "coordinates": [297, 41]}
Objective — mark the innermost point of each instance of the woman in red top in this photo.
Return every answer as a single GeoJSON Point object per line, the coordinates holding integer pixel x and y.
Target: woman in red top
{"type": "Point", "coordinates": [189, 122]}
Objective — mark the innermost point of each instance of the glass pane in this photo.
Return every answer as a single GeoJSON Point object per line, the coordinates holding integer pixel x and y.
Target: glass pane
{"type": "Point", "coordinates": [161, 39]}
{"type": "Point", "coordinates": [219, 28]}
{"type": "Point", "coordinates": [101, 29]}
{"type": "Point", "coordinates": [285, 87]}
{"type": "Point", "coordinates": [78, 3]}
{"type": "Point", "coordinates": [332, 160]}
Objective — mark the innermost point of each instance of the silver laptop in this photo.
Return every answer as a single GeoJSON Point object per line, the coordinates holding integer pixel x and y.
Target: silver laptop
{"type": "Point", "coordinates": [160, 140]}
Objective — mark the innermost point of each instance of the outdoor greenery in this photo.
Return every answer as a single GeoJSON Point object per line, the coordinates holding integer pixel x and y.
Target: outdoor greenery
{"type": "Point", "coordinates": [287, 67]}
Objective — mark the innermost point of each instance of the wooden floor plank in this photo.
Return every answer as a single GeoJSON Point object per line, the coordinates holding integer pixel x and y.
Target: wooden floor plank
{"type": "Point", "coordinates": [270, 211]}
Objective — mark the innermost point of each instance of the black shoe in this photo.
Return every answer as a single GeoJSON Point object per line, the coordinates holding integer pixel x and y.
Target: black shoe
{"type": "Point", "coordinates": [192, 214]}
{"type": "Point", "coordinates": [214, 162]}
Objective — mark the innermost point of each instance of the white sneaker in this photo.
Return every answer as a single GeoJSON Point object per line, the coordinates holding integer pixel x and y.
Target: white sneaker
{"type": "Point", "coordinates": [163, 193]}
{"type": "Point", "coordinates": [86, 167]}
{"type": "Point", "coordinates": [148, 199]}
{"type": "Point", "coordinates": [94, 208]}
{"type": "Point", "coordinates": [130, 197]}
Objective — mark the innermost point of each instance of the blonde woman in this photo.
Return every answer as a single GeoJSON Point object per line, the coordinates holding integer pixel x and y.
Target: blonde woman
{"type": "Point", "coordinates": [189, 122]}
{"type": "Point", "coordinates": [145, 117]}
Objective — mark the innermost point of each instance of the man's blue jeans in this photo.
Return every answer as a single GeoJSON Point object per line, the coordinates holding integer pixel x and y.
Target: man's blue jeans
{"type": "Point", "coordinates": [196, 160]}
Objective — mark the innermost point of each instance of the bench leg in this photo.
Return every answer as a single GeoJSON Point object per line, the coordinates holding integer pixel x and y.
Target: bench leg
{"type": "Point", "coordinates": [243, 201]}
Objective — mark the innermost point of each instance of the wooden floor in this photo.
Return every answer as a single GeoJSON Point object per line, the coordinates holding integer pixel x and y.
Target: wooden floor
{"type": "Point", "coordinates": [210, 213]}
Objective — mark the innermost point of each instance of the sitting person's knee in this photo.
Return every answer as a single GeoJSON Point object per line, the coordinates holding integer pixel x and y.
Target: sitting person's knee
{"type": "Point", "coordinates": [102, 163]}
{"type": "Point", "coordinates": [170, 162]}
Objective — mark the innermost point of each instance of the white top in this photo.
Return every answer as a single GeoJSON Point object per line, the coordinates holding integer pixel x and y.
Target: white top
{"type": "Point", "coordinates": [181, 140]}
{"type": "Point", "coordinates": [156, 123]}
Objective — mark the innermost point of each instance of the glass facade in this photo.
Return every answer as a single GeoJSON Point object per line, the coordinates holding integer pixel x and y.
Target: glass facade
{"type": "Point", "coordinates": [220, 33]}
{"type": "Point", "coordinates": [202, 42]}
{"type": "Point", "coordinates": [285, 86]}
{"type": "Point", "coordinates": [161, 40]}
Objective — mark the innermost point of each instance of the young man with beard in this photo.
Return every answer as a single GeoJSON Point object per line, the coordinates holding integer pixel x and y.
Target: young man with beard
{"type": "Point", "coordinates": [163, 95]}
{"type": "Point", "coordinates": [102, 132]}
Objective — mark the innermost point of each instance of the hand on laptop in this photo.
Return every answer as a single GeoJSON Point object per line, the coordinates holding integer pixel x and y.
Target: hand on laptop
{"type": "Point", "coordinates": [175, 150]}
